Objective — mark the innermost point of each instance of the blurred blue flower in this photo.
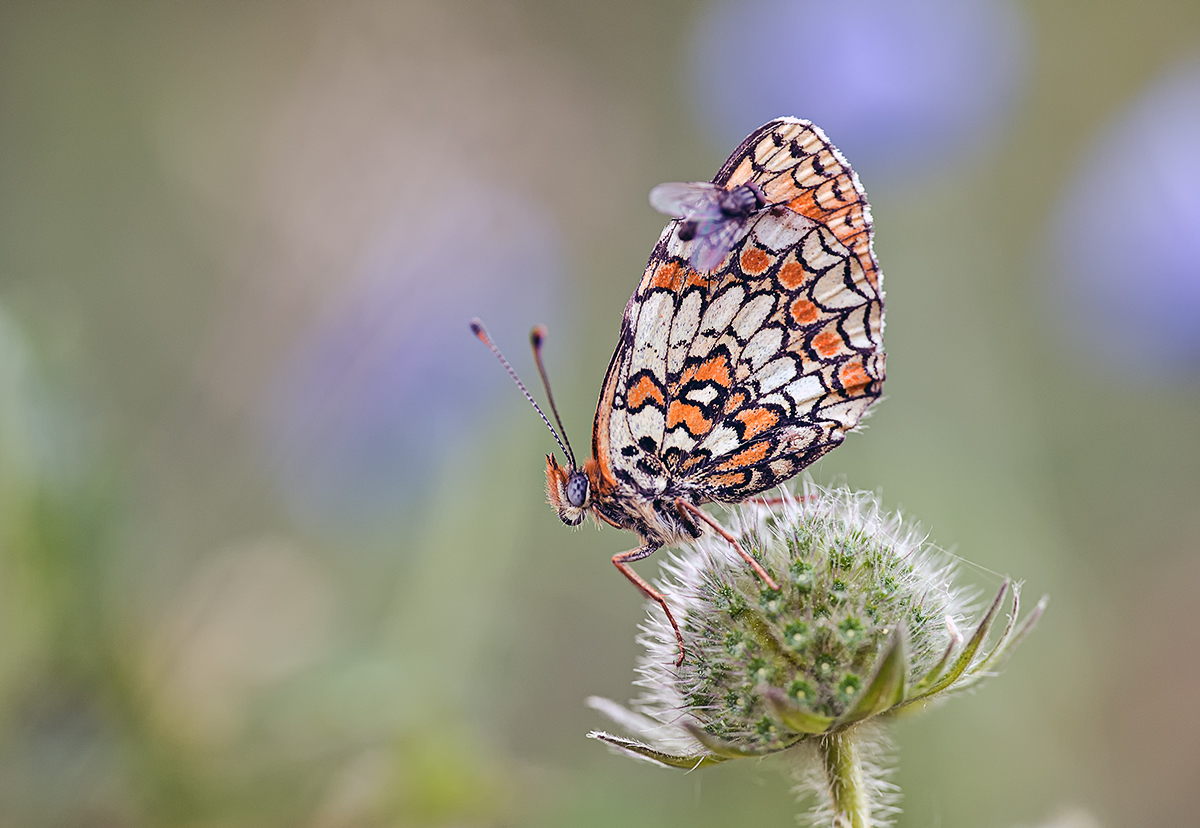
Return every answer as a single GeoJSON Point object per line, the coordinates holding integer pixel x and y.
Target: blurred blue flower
{"type": "Point", "coordinates": [1127, 236]}
{"type": "Point", "coordinates": [900, 86]}
{"type": "Point", "coordinates": [392, 382]}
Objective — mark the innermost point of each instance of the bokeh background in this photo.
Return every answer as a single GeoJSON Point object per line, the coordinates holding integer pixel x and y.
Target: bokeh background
{"type": "Point", "coordinates": [273, 545]}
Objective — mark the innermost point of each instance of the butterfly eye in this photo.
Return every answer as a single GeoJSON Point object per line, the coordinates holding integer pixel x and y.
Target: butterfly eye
{"type": "Point", "coordinates": [577, 489]}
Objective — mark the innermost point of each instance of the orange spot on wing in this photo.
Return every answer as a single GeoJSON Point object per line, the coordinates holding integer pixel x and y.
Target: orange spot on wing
{"type": "Point", "coordinates": [716, 369]}
{"type": "Point", "coordinates": [692, 461]}
{"type": "Point", "coordinates": [806, 205]}
{"type": "Point", "coordinates": [742, 174]}
{"type": "Point", "coordinates": [756, 420]}
{"type": "Point", "coordinates": [791, 275]}
{"type": "Point", "coordinates": [688, 414]}
{"type": "Point", "coordinates": [725, 481]}
{"type": "Point", "coordinates": [854, 377]}
{"type": "Point", "coordinates": [735, 401]}
{"type": "Point", "coordinates": [755, 261]}
{"type": "Point", "coordinates": [827, 343]}
{"type": "Point", "coordinates": [644, 389]}
{"type": "Point", "coordinates": [824, 206]}
{"type": "Point", "coordinates": [669, 276]}
{"type": "Point", "coordinates": [745, 457]}
{"type": "Point", "coordinates": [804, 312]}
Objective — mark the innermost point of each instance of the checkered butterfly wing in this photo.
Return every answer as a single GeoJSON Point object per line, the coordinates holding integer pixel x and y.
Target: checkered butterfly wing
{"type": "Point", "coordinates": [796, 165]}
{"type": "Point", "coordinates": [727, 384]}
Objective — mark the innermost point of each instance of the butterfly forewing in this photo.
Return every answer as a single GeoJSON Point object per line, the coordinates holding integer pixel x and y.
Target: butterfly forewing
{"type": "Point", "coordinates": [795, 164]}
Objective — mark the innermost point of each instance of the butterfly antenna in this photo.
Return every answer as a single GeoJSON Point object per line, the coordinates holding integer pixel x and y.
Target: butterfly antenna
{"type": "Point", "coordinates": [535, 339]}
{"type": "Point", "coordinates": [481, 332]}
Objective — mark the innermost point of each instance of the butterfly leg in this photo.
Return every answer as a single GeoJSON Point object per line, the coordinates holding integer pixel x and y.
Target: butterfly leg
{"type": "Point", "coordinates": [622, 562]}
{"type": "Point", "coordinates": [683, 505]}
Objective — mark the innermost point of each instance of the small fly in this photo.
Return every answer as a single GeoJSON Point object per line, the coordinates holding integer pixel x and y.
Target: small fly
{"type": "Point", "coordinates": [712, 215]}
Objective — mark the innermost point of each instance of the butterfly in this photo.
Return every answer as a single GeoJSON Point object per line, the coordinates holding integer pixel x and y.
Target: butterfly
{"type": "Point", "coordinates": [726, 384]}
{"type": "Point", "coordinates": [713, 215]}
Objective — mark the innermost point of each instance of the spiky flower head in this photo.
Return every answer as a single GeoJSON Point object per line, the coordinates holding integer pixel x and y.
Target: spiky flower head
{"type": "Point", "coordinates": [864, 626]}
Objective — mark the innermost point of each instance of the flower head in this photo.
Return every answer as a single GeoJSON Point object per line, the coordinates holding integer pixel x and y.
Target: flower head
{"type": "Point", "coordinates": [864, 625]}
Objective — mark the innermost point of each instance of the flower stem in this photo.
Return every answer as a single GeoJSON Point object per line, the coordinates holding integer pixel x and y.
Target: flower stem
{"type": "Point", "coordinates": [847, 786]}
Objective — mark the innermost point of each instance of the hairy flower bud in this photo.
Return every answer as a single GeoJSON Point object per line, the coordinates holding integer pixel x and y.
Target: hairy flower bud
{"type": "Point", "coordinates": [864, 625]}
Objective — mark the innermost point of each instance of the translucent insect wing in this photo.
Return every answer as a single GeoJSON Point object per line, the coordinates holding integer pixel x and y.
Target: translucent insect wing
{"type": "Point", "coordinates": [686, 200]}
{"type": "Point", "coordinates": [713, 242]}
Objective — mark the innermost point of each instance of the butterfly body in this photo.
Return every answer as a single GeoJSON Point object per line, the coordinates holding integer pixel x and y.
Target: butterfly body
{"type": "Point", "coordinates": [655, 517]}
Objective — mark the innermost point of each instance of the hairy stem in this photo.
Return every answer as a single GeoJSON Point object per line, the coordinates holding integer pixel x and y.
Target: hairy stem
{"type": "Point", "coordinates": [847, 786]}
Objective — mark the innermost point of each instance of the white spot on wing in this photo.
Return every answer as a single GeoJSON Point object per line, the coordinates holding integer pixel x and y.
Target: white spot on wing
{"type": "Point", "coordinates": [618, 428]}
{"type": "Point", "coordinates": [776, 399]}
{"type": "Point", "coordinates": [781, 160]}
{"type": "Point", "coordinates": [678, 437]}
{"type": "Point", "coordinates": [762, 346]}
{"type": "Point", "coordinates": [648, 422]}
{"type": "Point", "coordinates": [799, 439]}
{"type": "Point", "coordinates": [720, 440]}
{"type": "Point", "coordinates": [687, 321]}
{"type": "Point", "coordinates": [805, 391]}
{"type": "Point", "coordinates": [776, 235]}
{"type": "Point", "coordinates": [855, 326]}
{"type": "Point", "coordinates": [774, 374]}
{"type": "Point", "coordinates": [650, 336]}
{"type": "Point", "coordinates": [847, 412]}
{"type": "Point", "coordinates": [752, 315]}
{"type": "Point", "coordinates": [816, 256]}
{"type": "Point", "coordinates": [720, 312]}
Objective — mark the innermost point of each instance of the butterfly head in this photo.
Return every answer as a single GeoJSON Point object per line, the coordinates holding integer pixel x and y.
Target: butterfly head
{"type": "Point", "coordinates": [569, 491]}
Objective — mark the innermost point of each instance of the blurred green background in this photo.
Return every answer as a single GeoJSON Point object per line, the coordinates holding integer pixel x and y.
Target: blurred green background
{"type": "Point", "coordinates": [273, 542]}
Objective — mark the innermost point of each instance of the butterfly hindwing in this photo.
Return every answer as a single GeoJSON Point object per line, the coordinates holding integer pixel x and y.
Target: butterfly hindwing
{"type": "Point", "coordinates": [726, 384]}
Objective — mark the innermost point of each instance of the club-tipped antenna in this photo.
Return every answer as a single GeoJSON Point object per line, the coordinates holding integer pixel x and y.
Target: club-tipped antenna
{"type": "Point", "coordinates": [535, 339]}
{"type": "Point", "coordinates": [481, 332]}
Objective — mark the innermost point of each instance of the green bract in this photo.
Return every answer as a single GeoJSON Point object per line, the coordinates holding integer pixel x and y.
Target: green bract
{"type": "Point", "coordinates": [865, 625]}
